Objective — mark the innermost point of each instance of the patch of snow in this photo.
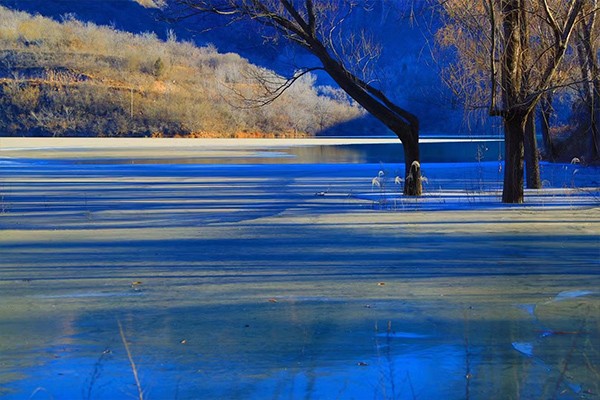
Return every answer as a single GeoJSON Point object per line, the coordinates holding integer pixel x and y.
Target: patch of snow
{"type": "Point", "coordinates": [570, 294]}
{"type": "Point", "coordinates": [525, 348]}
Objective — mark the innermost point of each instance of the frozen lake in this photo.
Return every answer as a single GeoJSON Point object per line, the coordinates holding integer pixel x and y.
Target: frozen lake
{"type": "Point", "coordinates": [278, 271]}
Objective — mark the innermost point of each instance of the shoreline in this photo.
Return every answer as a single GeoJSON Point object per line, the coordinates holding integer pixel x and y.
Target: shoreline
{"type": "Point", "coordinates": [32, 143]}
{"type": "Point", "coordinates": [218, 150]}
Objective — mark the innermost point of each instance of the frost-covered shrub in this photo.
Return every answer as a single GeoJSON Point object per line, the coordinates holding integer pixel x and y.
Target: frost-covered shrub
{"type": "Point", "coordinates": [75, 78]}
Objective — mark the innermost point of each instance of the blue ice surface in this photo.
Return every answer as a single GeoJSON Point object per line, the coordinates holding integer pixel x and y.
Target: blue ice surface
{"type": "Point", "coordinates": [403, 335]}
{"type": "Point", "coordinates": [528, 308]}
{"type": "Point", "coordinates": [468, 185]}
{"type": "Point", "coordinates": [448, 186]}
{"type": "Point", "coordinates": [470, 176]}
{"type": "Point", "coordinates": [570, 294]}
{"type": "Point", "coordinates": [417, 359]}
{"type": "Point", "coordinates": [525, 348]}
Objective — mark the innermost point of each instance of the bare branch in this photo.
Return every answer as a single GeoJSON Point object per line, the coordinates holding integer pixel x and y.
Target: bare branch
{"type": "Point", "coordinates": [312, 29]}
{"type": "Point", "coordinates": [551, 19]}
{"type": "Point", "coordinates": [273, 87]}
{"type": "Point", "coordinates": [560, 47]}
{"type": "Point", "coordinates": [492, 59]}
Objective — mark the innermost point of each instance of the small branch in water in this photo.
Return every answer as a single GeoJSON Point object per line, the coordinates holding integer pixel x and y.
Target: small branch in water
{"type": "Point", "coordinates": [567, 361]}
{"type": "Point", "coordinates": [468, 374]}
{"type": "Point", "coordinates": [133, 367]}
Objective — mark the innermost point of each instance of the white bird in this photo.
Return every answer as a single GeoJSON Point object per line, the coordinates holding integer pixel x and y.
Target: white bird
{"type": "Point", "coordinates": [375, 182]}
{"type": "Point", "coordinates": [378, 181]}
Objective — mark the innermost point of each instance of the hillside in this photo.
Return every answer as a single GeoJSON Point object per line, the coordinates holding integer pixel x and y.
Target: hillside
{"type": "Point", "coordinates": [403, 28]}
{"type": "Point", "coordinates": [81, 79]}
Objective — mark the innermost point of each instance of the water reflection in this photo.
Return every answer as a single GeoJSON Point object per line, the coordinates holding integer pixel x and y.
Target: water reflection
{"type": "Point", "coordinates": [458, 349]}
{"type": "Point", "coordinates": [436, 151]}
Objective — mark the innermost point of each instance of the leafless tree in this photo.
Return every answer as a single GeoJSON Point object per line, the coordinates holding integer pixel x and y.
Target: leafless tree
{"type": "Point", "coordinates": [346, 54]}
{"type": "Point", "coordinates": [588, 48]}
{"type": "Point", "coordinates": [510, 54]}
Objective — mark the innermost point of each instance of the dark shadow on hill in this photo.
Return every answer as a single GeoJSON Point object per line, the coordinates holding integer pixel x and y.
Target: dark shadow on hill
{"type": "Point", "coordinates": [121, 14]}
{"type": "Point", "coordinates": [363, 126]}
{"type": "Point", "coordinates": [129, 16]}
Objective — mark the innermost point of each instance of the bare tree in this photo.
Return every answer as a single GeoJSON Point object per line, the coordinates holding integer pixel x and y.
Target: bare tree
{"type": "Point", "coordinates": [546, 112]}
{"type": "Point", "coordinates": [588, 48]}
{"type": "Point", "coordinates": [519, 46]}
{"type": "Point", "coordinates": [319, 27]}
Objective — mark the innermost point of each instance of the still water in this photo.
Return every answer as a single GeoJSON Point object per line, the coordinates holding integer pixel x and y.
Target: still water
{"type": "Point", "coordinates": [293, 280]}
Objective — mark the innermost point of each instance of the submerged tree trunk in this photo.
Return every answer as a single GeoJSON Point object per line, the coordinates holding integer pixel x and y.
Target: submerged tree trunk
{"type": "Point", "coordinates": [514, 133]}
{"type": "Point", "coordinates": [413, 185]}
{"type": "Point", "coordinates": [532, 162]}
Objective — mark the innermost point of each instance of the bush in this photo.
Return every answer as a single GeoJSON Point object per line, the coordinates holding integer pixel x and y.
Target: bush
{"type": "Point", "coordinates": [158, 69]}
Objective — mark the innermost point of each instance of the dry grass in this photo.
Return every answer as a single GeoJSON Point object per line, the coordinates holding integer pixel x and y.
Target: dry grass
{"type": "Point", "coordinates": [78, 79]}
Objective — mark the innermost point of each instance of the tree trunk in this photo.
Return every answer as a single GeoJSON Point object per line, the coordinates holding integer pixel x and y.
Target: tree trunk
{"type": "Point", "coordinates": [413, 185]}
{"type": "Point", "coordinates": [514, 129]}
{"type": "Point", "coordinates": [595, 112]}
{"type": "Point", "coordinates": [546, 111]}
{"type": "Point", "coordinates": [590, 70]}
{"type": "Point", "coordinates": [514, 118]}
{"type": "Point", "coordinates": [532, 162]}
{"type": "Point", "coordinates": [404, 124]}
{"type": "Point", "coordinates": [594, 60]}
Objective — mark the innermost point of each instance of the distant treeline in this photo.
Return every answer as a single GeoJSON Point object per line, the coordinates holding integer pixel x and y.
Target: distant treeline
{"type": "Point", "coordinates": [78, 79]}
